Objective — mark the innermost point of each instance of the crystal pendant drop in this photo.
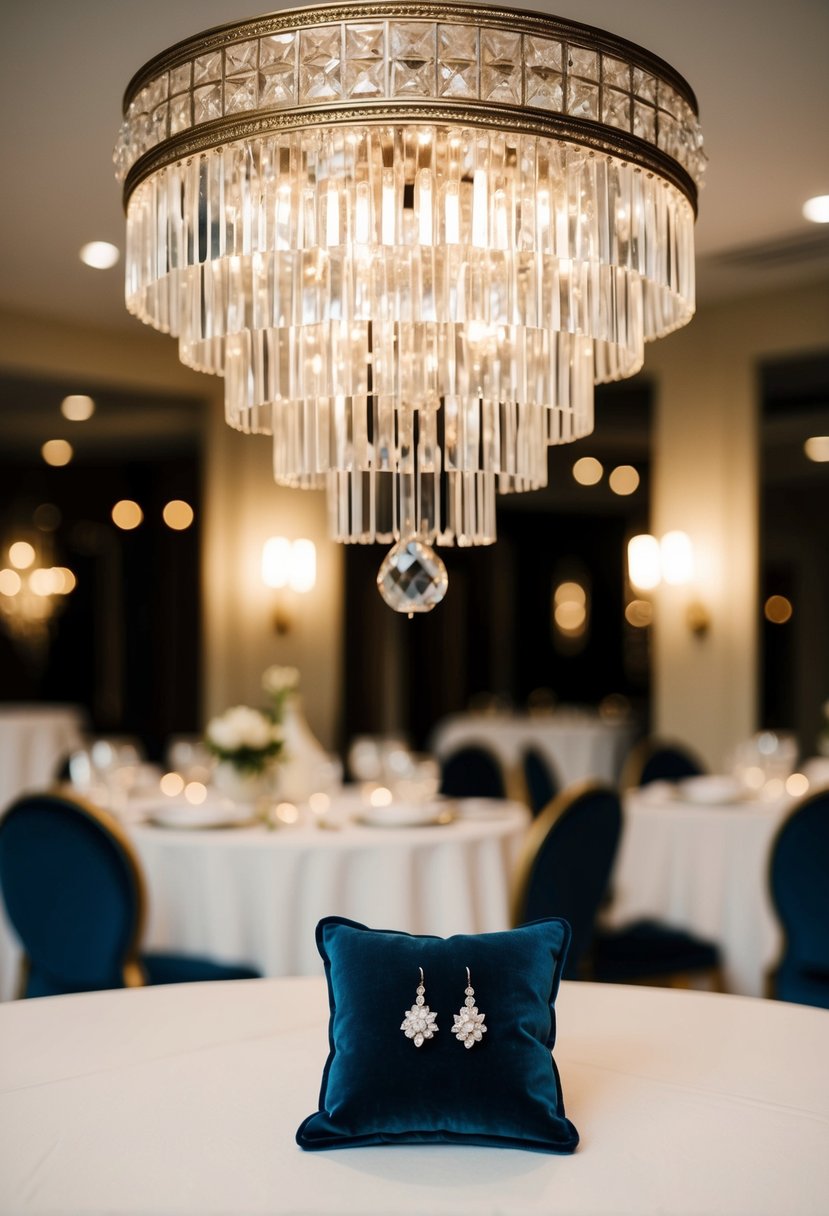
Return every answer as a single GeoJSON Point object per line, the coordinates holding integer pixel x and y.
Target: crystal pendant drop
{"type": "Point", "coordinates": [412, 578]}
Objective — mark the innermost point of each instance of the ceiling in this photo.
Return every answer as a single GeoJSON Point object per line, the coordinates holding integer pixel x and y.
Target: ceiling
{"type": "Point", "coordinates": [757, 66]}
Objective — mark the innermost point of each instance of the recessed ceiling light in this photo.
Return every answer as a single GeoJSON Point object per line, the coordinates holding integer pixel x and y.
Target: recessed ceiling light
{"type": "Point", "coordinates": [100, 255]}
{"type": "Point", "coordinates": [817, 209]}
{"type": "Point", "coordinates": [77, 408]}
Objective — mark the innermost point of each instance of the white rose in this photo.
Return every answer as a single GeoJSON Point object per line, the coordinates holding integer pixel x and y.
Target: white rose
{"type": "Point", "coordinates": [278, 679]}
{"type": "Point", "coordinates": [240, 727]}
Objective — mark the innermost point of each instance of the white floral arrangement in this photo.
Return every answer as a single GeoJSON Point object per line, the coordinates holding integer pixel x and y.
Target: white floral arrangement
{"type": "Point", "coordinates": [279, 682]}
{"type": "Point", "coordinates": [246, 738]}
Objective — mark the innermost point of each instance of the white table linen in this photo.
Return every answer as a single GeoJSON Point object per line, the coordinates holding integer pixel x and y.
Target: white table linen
{"type": "Point", "coordinates": [33, 741]}
{"type": "Point", "coordinates": [578, 744]}
{"type": "Point", "coordinates": [705, 869]}
{"type": "Point", "coordinates": [253, 895]}
{"type": "Point", "coordinates": [186, 1099]}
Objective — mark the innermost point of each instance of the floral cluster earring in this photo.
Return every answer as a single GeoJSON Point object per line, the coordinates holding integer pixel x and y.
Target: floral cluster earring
{"type": "Point", "coordinates": [419, 1021]}
{"type": "Point", "coordinates": [469, 1026]}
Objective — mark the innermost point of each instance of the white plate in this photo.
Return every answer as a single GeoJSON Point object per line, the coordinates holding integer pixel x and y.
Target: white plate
{"type": "Point", "coordinates": [405, 815]}
{"type": "Point", "coordinates": [214, 813]}
{"type": "Point", "coordinates": [711, 790]}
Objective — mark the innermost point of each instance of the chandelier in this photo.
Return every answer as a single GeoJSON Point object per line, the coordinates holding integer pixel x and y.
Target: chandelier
{"type": "Point", "coordinates": [411, 237]}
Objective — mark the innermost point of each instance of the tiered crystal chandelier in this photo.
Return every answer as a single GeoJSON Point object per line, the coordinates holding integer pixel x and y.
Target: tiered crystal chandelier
{"type": "Point", "coordinates": [411, 237]}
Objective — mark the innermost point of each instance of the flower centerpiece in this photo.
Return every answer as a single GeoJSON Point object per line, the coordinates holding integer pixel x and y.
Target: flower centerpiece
{"type": "Point", "coordinates": [279, 683]}
{"type": "Point", "coordinates": [246, 742]}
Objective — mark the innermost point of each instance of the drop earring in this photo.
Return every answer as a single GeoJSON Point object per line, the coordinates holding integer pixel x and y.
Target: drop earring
{"type": "Point", "coordinates": [419, 1021]}
{"type": "Point", "coordinates": [469, 1026]}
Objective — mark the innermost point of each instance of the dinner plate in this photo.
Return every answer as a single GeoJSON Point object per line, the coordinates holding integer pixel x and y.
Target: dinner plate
{"type": "Point", "coordinates": [405, 815]}
{"type": "Point", "coordinates": [711, 790]}
{"type": "Point", "coordinates": [214, 813]}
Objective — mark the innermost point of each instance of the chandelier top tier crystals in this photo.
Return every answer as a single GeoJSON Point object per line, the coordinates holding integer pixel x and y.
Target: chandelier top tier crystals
{"type": "Point", "coordinates": [411, 237]}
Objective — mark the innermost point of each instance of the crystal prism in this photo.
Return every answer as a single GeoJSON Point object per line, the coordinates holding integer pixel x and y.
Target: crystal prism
{"type": "Point", "coordinates": [412, 578]}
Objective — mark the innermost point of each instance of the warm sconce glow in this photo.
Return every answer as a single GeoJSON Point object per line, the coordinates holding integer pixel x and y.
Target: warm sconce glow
{"type": "Point", "coordinates": [817, 209]}
{"type": "Point", "coordinates": [288, 564]}
{"type": "Point", "coordinates": [639, 613]}
{"type": "Point", "coordinates": [644, 567]}
{"type": "Point", "coordinates": [670, 561]}
{"type": "Point", "coordinates": [676, 556]}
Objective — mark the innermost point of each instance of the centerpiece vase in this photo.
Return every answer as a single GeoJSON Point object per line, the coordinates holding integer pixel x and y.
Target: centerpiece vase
{"type": "Point", "coordinates": [303, 756]}
{"type": "Point", "coordinates": [243, 786]}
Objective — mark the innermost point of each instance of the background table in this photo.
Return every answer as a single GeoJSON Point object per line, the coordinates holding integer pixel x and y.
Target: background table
{"type": "Point", "coordinates": [578, 744]}
{"type": "Point", "coordinates": [186, 1099]}
{"type": "Point", "coordinates": [254, 895]}
{"type": "Point", "coordinates": [703, 868]}
{"type": "Point", "coordinates": [34, 739]}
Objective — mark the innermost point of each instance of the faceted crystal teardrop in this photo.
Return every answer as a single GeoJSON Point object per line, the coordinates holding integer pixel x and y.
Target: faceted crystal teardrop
{"type": "Point", "coordinates": [412, 577]}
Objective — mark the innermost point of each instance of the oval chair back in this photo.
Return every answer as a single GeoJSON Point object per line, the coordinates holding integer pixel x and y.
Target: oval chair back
{"type": "Point", "coordinates": [472, 771]}
{"type": "Point", "coordinates": [565, 868]}
{"type": "Point", "coordinates": [541, 784]}
{"type": "Point", "coordinates": [659, 760]}
{"type": "Point", "coordinates": [73, 893]}
{"type": "Point", "coordinates": [799, 882]}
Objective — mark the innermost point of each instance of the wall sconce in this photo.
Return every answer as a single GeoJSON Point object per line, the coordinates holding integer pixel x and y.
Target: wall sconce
{"type": "Point", "coordinates": [288, 565]}
{"type": "Point", "coordinates": [671, 561]}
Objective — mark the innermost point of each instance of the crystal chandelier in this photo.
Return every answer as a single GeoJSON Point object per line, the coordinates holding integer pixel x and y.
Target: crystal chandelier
{"type": "Point", "coordinates": [411, 237]}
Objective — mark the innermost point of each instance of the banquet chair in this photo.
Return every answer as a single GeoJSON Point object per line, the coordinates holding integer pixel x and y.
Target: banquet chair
{"type": "Point", "coordinates": [654, 759]}
{"type": "Point", "coordinates": [541, 784]}
{"type": "Point", "coordinates": [472, 771]}
{"type": "Point", "coordinates": [75, 896]}
{"type": "Point", "coordinates": [566, 863]}
{"type": "Point", "coordinates": [799, 882]}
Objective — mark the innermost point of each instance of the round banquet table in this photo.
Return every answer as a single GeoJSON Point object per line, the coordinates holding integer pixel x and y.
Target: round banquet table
{"type": "Point", "coordinates": [577, 744]}
{"type": "Point", "coordinates": [185, 1099]}
{"type": "Point", "coordinates": [702, 868]}
{"type": "Point", "coordinates": [249, 894]}
{"type": "Point", "coordinates": [256, 895]}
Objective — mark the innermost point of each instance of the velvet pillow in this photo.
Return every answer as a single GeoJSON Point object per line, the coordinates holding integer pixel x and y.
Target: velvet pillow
{"type": "Point", "coordinates": [378, 1087]}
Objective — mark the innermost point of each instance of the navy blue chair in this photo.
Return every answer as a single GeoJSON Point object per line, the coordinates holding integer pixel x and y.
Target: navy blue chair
{"type": "Point", "coordinates": [659, 760]}
{"type": "Point", "coordinates": [539, 779]}
{"type": "Point", "coordinates": [472, 772]}
{"type": "Point", "coordinates": [74, 894]}
{"type": "Point", "coordinates": [799, 881]}
{"type": "Point", "coordinates": [648, 952]}
{"type": "Point", "coordinates": [566, 865]}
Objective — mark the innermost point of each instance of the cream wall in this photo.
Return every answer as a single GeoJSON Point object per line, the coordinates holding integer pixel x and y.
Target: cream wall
{"type": "Point", "coordinates": [242, 508]}
{"type": "Point", "coordinates": [705, 461]}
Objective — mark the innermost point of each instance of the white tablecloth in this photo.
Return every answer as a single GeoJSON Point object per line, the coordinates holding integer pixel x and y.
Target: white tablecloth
{"type": "Point", "coordinates": [253, 895]}
{"type": "Point", "coordinates": [186, 1099]}
{"type": "Point", "coordinates": [577, 744]}
{"type": "Point", "coordinates": [703, 868]}
{"type": "Point", "coordinates": [33, 741]}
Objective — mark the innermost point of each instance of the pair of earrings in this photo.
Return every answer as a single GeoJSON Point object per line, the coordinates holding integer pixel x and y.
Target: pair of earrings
{"type": "Point", "coordinates": [419, 1022]}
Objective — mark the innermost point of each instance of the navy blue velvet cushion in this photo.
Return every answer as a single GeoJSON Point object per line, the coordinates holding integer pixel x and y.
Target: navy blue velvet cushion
{"type": "Point", "coordinates": [378, 1088]}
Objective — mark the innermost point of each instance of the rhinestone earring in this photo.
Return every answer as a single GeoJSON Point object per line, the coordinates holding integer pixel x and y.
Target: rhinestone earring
{"type": "Point", "coordinates": [419, 1021]}
{"type": "Point", "coordinates": [469, 1026]}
